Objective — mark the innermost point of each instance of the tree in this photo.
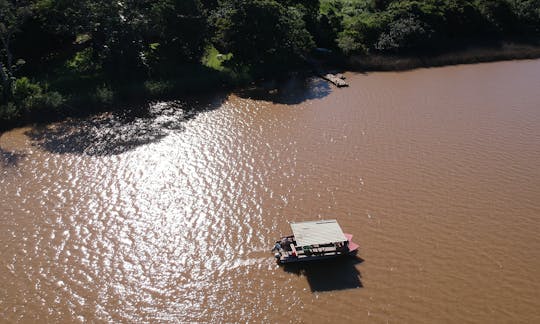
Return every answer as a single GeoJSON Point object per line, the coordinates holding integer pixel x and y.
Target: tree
{"type": "Point", "coordinates": [498, 13]}
{"type": "Point", "coordinates": [528, 14]}
{"type": "Point", "coordinates": [130, 36]}
{"type": "Point", "coordinates": [261, 32]}
{"type": "Point", "coordinates": [12, 16]}
{"type": "Point", "coordinates": [180, 29]}
{"type": "Point", "coordinates": [404, 34]}
{"type": "Point", "coordinates": [114, 32]}
{"type": "Point", "coordinates": [380, 4]}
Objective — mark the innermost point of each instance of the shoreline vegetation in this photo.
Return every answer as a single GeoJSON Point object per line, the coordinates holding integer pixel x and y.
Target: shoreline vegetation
{"type": "Point", "coordinates": [61, 59]}
{"type": "Point", "coordinates": [472, 55]}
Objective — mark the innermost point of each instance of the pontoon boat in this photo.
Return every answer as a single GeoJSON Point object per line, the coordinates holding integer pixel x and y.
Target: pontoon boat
{"type": "Point", "coordinates": [314, 240]}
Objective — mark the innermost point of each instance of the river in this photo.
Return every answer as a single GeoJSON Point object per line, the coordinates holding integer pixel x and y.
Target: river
{"type": "Point", "coordinates": [167, 213]}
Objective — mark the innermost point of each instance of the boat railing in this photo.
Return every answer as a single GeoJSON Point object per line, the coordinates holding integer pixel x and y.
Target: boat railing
{"type": "Point", "coordinates": [317, 250]}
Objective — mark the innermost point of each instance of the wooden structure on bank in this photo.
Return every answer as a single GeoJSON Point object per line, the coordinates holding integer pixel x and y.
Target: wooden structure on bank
{"type": "Point", "coordinates": [337, 79]}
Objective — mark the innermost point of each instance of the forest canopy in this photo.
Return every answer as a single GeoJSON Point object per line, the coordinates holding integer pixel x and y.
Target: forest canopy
{"type": "Point", "coordinates": [63, 55]}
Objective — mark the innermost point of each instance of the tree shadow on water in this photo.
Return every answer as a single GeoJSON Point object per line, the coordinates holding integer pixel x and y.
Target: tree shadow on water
{"type": "Point", "coordinates": [329, 275]}
{"type": "Point", "coordinates": [292, 91]}
{"type": "Point", "coordinates": [120, 131]}
{"type": "Point", "coordinates": [9, 159]}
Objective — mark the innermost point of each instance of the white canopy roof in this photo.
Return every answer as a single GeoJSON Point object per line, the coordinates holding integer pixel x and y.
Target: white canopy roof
{"type": "Point", "coordinates": [317, 232]}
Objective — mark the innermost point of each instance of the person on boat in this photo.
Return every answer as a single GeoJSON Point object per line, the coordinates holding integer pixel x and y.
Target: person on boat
{"type": "Point", "coordinates": [277, 247]}
{"type": "Point", "coordinates": [341, 247]}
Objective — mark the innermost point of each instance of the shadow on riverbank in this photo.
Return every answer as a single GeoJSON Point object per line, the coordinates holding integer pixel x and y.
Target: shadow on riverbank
{"type": "Point", "coordinates": [290, 91]}
{"type": "Point", "coordinates": [329, 275]}
{"type": "Point", "coordinates": [120, 131]}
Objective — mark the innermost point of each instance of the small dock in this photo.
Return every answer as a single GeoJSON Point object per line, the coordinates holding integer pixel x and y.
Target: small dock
{"type": "Point", "coordinates": [337, 79]}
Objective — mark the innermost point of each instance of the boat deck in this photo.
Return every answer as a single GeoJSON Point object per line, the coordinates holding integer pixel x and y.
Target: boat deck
{"type": "Point", "coordinates": [320, 252]}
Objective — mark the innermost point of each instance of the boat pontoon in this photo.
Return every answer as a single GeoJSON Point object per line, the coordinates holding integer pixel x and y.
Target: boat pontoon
{"type": "Point", "coordinates": [314, 240]}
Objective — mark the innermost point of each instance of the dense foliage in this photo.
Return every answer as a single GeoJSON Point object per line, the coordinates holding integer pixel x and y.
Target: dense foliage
{"type": "Point", "coordinates": [277, 37]}
{"type": "Point", "coordinates": [60, 55]}
{"type": "Point", "coordinates": [402, 26]}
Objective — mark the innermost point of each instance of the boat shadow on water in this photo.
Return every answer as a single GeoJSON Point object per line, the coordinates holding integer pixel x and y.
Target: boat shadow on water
{"type": "Point", "coordinates": [329, 275]}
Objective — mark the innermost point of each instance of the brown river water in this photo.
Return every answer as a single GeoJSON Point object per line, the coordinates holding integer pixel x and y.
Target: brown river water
{"type": "Point", "coordinates": [167, 213]}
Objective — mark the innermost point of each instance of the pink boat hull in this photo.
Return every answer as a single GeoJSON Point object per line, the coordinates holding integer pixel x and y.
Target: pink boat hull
{"type": "Point", "coordinates": [353, 247]}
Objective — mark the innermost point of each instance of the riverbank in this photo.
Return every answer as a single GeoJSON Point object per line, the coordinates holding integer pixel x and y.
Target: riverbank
{"type": "Point", "coordinates": [86, 99]}
{"type": "Point", "coordinates": [88, 94]}
{"type": "Point", "coordinates": [470, 55]}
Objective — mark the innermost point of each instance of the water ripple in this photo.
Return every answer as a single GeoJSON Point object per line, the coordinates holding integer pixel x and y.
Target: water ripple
{"type": "Point", "coordinates": [166, 213]}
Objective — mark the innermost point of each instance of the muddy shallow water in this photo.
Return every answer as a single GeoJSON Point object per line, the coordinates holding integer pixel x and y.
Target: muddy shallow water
{"type": "Point", "coordinates": [168, 215]}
